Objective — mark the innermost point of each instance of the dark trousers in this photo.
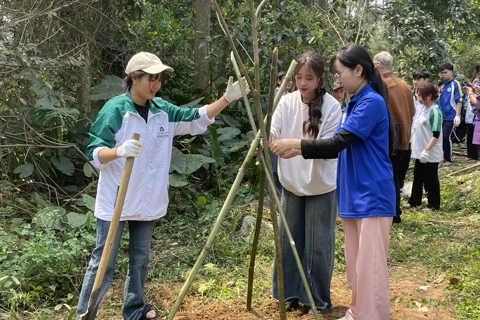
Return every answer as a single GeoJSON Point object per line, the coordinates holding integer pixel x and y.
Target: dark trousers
{"type": "Point", "coordinates": [395, 166]}
{"type": "Point", "coordinates": [447, 128]}
{"type": "Point", "coordinates": [472, 149]}
{"type": "Point", "coordinates": [425, 175]}
{"type": "Point", "coordinates": [403, 163]}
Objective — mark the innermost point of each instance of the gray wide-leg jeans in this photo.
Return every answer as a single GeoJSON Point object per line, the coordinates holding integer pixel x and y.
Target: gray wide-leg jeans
{"type": "Point", "coordinates": [311, 220]}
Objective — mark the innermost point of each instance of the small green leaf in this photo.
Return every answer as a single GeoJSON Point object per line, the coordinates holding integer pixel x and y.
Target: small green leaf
{"type": "Point", "coordinates": [195, 161]}
{"type": "Point", "coordinates": [110, 87]}
{"type": "Point", "coordinates": [89, 201]}
{"type": "Point", "coordinates": [76, 220]}
{"type": "Point", "coordinates": [227, 133]}
{"type": "Point", "coordinates": [88, 170]}
{"type": "Point", "coordinates": [177, 180]}
{"type": "Point", "coordinates": [193, 103]}
{"type": "Point", "coordinates": [178, 163]}
{"type": "Point", "coordinates": [24, 170]}
{"type": "Point", "coordinates": [51, 218]}
{"type": "Point", "coordinates": [64, 165]}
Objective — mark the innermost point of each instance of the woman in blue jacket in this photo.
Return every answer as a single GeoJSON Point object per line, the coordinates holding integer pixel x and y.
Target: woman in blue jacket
{"type": "Point", "coordinates": [366, 194]}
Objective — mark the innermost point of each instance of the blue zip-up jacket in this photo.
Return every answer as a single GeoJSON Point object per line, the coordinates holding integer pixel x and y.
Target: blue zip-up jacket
{"type": "Point", "coordinates": [450, 95]}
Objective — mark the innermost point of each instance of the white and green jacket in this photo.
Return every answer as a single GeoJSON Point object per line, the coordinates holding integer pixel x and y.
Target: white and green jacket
{"type": "Point", "coordinates": [147, 194]}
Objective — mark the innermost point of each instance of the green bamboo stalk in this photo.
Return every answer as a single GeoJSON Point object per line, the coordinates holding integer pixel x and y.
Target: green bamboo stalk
{"type": "Point", "coordinates": [261, 196]}
{"type": "Point", "coordinates": [265, 157]}
{"type": "Point", "coordinates": [266, 162]}
{"type": "Point", "coordinates": [256, 236]}
{"type": "Point", "coordinates": [242, 87]}
{"type": "Point", "coordinates": [292, 244]}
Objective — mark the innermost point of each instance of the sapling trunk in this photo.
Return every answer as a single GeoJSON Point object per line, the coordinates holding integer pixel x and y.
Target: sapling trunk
{"type": "Point", "coordinates": [261, 196]}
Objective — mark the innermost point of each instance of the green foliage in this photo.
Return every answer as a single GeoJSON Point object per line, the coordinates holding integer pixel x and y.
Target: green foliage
{"type": "Point", "coordinates": [428, 33]}
{"type": "Point", "coordinates": [42, 258]}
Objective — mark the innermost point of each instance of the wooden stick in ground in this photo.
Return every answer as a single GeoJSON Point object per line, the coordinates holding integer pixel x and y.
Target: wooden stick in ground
{"type": "Point", "coordinates": [112, 232]}
{"type": "Point", "coordinates": [461, 170]}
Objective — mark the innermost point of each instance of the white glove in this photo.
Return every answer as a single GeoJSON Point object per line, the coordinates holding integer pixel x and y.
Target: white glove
{"type": "Point", "coordinates": [233, 91]}
{"type": "Point", "coordinates": [456, 121]}
{"type": "Point", "coordinates": [130, 148]}
{"type": "Point", "coordinates": [424, 156]}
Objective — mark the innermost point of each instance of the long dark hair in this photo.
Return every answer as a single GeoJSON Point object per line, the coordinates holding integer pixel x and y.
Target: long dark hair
{"type": "Point", "coordinates": [353, 55]}
{"type": "Point", "coordinates": [316, 63]}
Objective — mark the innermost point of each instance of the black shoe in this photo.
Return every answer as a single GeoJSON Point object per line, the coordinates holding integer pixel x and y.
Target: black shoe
{"type": "Point", "coordinates": [397, 219]}
{"type": "Point", "coordinates": [292, 304]}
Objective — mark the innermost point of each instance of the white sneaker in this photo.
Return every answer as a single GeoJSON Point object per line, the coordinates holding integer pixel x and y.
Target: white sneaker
{"type": "Point", "coordinates": [406, 205]}
{"type": "Point", "coordinates": [426, 209]}
{"type": "Point", "coordinates": [342, 318]}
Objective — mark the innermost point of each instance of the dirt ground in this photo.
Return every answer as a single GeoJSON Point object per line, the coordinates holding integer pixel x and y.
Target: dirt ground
{"type": "Point", "coordinates": [407, 301]}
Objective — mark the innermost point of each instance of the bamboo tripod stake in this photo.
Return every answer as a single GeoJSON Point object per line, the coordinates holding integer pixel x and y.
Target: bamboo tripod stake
{"type": "Point", "coordinates": [112, 232]}
{"type": "Point", "coordinates": [265, 157]}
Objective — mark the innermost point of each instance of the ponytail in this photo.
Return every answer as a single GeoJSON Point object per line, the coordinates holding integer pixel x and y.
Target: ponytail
{"type": "Point", "coordinates": [311, 125]}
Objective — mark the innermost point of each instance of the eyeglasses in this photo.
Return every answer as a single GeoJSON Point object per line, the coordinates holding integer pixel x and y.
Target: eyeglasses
{"type": "Point", "coordinates": [337, 76]}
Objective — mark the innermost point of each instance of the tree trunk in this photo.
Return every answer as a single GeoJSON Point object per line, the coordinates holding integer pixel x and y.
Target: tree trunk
{"type": "Point", "coordinates": [201, 46]}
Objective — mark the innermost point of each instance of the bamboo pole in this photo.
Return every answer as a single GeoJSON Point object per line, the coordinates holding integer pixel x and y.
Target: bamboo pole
{"type": "Point", "coordinates": [461, 170]}
{"type": "Point", "coordinates": [256, 236]}
{"type": "Point", "coordinates": [261, 197]}
{"type": "Point", "coordinates": [292, 244]}
{"type": "Point", "coordinates": [266, 163]}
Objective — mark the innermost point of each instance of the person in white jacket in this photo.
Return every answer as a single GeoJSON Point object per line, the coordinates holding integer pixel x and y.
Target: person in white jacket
{"type": "Point", "coordinates": [309, 186]}
{"type": "Point", "coordinates": [157, 121]}
{"type": "Point", "coordinates": [427, 149]}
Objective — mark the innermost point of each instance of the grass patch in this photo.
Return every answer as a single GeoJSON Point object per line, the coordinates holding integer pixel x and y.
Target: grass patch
{"type": "Point", "coordinates": [446, 241]}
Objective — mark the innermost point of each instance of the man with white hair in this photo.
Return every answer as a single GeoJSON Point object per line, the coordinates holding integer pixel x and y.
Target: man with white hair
{"type": "Point", "coordinates": [402, 110]}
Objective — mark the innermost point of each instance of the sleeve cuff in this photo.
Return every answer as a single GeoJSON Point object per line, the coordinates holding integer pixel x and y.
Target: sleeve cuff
{"type": "Point", "coordinates": [96, 162]}
{"type": "Point", "coordinates": [203, 114]}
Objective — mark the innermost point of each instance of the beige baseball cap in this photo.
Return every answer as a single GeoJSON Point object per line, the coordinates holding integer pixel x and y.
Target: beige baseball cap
{"type": "Point", "coordinates": [147, 62]}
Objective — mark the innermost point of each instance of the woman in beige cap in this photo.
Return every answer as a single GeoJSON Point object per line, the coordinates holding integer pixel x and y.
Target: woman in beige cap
{"type": "Point", "coordinates": [157, 121]}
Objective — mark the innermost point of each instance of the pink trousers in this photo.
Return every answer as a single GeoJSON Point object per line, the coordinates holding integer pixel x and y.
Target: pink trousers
{"type": "Point", "coordinates": [366, 251]}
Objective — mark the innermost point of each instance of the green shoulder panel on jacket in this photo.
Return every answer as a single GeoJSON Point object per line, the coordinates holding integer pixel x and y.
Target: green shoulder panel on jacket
{"type": "Point", "coordinates": [175, 113]}
{"type": "Point", "coordinates": [436, 119]}
{"type": "Point", "coordinates": [108, 123]}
